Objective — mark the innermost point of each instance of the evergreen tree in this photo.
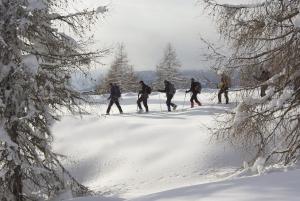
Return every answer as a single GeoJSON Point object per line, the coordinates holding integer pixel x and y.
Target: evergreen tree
{"type": "Point", "coordinates": [120, 73]}
{"type": "Point", "coordinates": [36, 60]}
{"type": "Point", "coordinates": [168, 68]}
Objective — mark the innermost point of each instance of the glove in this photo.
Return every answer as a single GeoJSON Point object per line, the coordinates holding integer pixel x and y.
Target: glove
{"type": "Point", "coordinates": [186, 91]}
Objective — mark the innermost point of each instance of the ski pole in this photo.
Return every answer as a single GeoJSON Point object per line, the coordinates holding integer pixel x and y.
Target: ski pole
{"type": "Point", "coordinates": [184, 101]}
{"type": "Point", "coordinates": [137, 107]}
{"type": "Point", "coordinates": [160, 102]}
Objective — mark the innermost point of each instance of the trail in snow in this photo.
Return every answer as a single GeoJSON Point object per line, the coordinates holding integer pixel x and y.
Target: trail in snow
{"type": "Point", "coordinates": [133, 154]}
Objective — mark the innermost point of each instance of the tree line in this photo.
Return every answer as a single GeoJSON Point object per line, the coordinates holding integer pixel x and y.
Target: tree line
{"type": "Point", "coordinates": [122, 73]}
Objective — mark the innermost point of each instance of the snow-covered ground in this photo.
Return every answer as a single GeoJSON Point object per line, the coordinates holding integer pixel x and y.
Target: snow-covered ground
{"type": "Point", "coordinates": [162, 156]}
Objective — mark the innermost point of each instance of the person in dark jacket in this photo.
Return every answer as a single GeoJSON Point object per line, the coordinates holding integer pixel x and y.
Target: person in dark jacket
{"type": "Point", "coordinates": [265, 75]}
{"type": "Point", "coordinates": [195, 89]}
{"type": "Point", "coordinates": [115, 94]}
{"type": "Point", "coordinates": [143, 96]}
{"type": "Point", "coordinates": [170, 91]}
{"type": "Point", "coordinates": [224, 87]}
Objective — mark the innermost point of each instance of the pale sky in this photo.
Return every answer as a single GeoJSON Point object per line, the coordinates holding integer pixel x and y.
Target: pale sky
{"type": "Point", "coordinates": [146, 26]}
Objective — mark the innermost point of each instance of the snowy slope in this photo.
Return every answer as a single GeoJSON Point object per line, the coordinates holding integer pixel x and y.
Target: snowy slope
{"type": "Point", "coordinates": [133, 155]}
{"type": "Point", "coordinates": [275, 186]}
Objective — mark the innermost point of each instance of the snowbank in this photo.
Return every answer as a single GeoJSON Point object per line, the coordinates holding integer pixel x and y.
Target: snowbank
{"type": "Point", "coordinates": [167, 156]}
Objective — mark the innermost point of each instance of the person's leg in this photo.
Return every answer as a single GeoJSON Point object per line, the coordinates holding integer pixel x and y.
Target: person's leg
{"type": "Point", "coordinates": [172, 104]}
{"type": "Point", "coordinates": [226, 96]}
{"type": "Point", "coordinates": [139, 102]}
{"type": "Point", "coordinates": [263, 89]}
{"type": "Point", "coordinates": [196, 99]}
{"type": "Point", "coordinates": [119, 106]}
{"type": "Point", "coordinates": [192, 101]}
{"type": "Point", "coordinates": [168, 102]}
{"type": "Point", "coordinates": [220, 95]}
{"type": "Point", "coordinates": [111, 102]}
{"type": "Point", "coordinates": [145, 100]}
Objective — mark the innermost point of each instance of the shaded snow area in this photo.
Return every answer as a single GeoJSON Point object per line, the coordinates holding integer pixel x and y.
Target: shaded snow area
{"type": "Point", "coordinates": [162, 156]}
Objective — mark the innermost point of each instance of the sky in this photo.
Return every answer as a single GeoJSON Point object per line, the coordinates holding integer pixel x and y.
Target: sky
{"type": "Point", "coordinates": [146, 26]}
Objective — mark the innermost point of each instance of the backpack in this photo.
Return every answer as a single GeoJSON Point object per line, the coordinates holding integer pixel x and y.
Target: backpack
{"type": "Point", "coordinates": [117, 91]}
{"type": "Point", "coordinates": [148, 89]}
{"type": "Point", "coordinates": [172, 89]}
{"type": "Point", "coordinates": [198, 87]}
{"type": "Point", "coordinates": [227, 81]}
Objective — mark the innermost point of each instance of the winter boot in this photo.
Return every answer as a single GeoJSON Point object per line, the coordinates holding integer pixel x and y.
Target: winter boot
{"type": "Point", "coordinates": [192, 104]}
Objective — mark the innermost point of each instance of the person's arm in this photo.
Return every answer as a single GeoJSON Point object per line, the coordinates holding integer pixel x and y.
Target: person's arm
{"type": "Point", "coordinates": [188, 91]}
{"type": "Point", "coordinates": [163, 90]}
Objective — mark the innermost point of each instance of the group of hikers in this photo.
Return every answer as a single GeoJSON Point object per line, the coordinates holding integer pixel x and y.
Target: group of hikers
{"type": "Point", "coordinates": [170, 90]}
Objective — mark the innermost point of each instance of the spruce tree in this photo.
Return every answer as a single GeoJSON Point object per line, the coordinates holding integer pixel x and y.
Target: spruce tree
{"type": "Point", "coordinates": [168, 68]}
{"type": "Point", "coordinates": [120, 73]}
{"type": "Point", "coordinates": [36, 60]}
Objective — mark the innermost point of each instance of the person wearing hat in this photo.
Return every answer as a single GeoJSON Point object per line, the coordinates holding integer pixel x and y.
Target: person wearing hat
{"type": "Point", "coordinates": [223, 88]}
{"type": "Point", "coordinates": [115, 94]}
{"type": "Point", "coordinates": [143, 96]}
{"type": "Point", "coordinates": [170, 92]}
{"type": "Point", "coordinates": [195, 89]}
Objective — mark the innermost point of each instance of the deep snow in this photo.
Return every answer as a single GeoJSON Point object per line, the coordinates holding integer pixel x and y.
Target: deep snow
{"type": "Point", "coordinates": [167, 156]}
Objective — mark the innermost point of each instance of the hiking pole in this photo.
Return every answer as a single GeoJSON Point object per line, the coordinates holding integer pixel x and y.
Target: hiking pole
{"type": "Point", "coordinates": [137, 107]}
{"type": "Point", "coordinates": [160, 102]}
{"type": "Point", "coordinates": [184, 102]}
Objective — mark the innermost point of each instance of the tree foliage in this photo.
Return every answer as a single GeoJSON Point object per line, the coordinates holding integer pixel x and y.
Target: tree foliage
{"type": "Point", "coordinates": [36, 61]}
{"type": "Point", "coordinates": [120, 73]}
{"type": "Point", "coordinates": [264, 35]}
{"type": "Point", "coordinates": [168, 68]}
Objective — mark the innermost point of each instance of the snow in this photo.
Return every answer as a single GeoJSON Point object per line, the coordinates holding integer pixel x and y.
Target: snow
{"type": "Point", "coordinates": [297, 21]}
{"type": "Point", "coordinates": [36, 5]}
{"type": "Point", "coordinates": [30, 63]}
{"type": "Point", "coordinates": [273, 187]}
{"type": "Point", "coordinates": [101, 10]}
{"type": "Point", "coordinates": [5, 138]}
{"type": "Point", "coordinates": [163, 156]}
{"type": "Point", "coordinates": [2, 42]}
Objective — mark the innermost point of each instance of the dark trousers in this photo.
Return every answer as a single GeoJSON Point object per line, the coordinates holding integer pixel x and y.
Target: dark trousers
{"type": "Point", "coordinates": [263, 90]}
{"type": "Point", "coordinates": [143, 98]}
{"type": "Point", "coordinates": [225, 91]}
{"type": "Point", "coordinates": [194, 98]}
{"type": "Point", "coordinates": [169, 103]}
{"type": "Point", "coordinates": [114, 101]}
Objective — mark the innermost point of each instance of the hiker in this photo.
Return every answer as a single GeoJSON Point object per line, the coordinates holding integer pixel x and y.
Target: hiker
{"type": "Point", "coordinates": [170, 91]}
{"type": "Point", "coordinates": [224, 87]}
{"type": "Point", "coordinates": [265, 75]}
{"type": "Point", "coordinates": [143, 96]}
{"type": "Point", "coordinates": [115, 94]}
{"type": "Point", "coordinates": [195, 89]}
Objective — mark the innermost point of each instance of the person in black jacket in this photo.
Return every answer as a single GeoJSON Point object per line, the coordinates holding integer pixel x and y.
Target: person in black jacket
{"type": "Point", "coordinates": [265, 75]}
{"type": "Point", "coordinates": [170, 91]}
{"type": "Point", "coordinates": [143, 96]}
{"type": "Point", "coordinates": [224, 87]}
{"type": "Point", "coordinates": [115, 94]}
{"type": "Point", "coordinates": [195, 89]}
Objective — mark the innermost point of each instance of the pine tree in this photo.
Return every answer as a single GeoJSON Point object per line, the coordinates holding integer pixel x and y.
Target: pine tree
{"type": "Point", "coordinates": [120, 73]}
{"type": "Point", "coordinates": [168, 68]}
{"type": "Point", "coordinates": [36, 60]}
